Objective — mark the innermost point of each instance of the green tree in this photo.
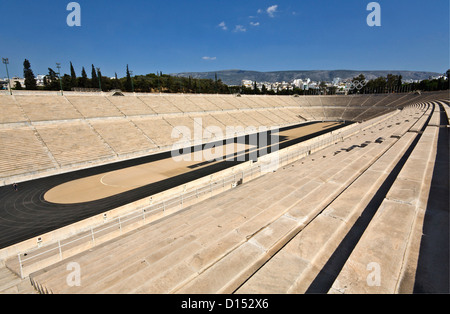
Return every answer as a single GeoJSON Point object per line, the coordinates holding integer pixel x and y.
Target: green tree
{"type": "Point", "coordinates": [18, 86]}
{"type": "Point", "coordinates": [94, 79]}
{"type": "Point", "coordinates": [170, 84]}
{"type": "Point", "coordinates": [83, 80]}
{"type": "Point", "coordinates": [195, 86]}
{"type": "Point", "coordinates": [51, 80]}
{"type": "Point", "coordinates": [73, 76]}
{"type": "Point", "coordinates": [323, 87]}
{"type": "Point", "coordinates": [128, 86]}
{"type": "Point", "coordinates": [392, 82]}
{"type": "Point", "coordinates": [216, 86]}
{"type": "Point", "coordinates": [115, 83]}
{"type": "Point", "coordinates": [189, 85]}
{"type": "Point", "coordinates": [264, 90]}
{"type": "Point", "coordinates": [399, 83]}
{"type": "Point", "coordinates": [66, 82]}
{"type": "Point", "coordinates": [380, 85]}
{"type": "Point", "coordinates": [100, 80]}
{"type": "Point", "coordinates": [332, 90]}
{"type": "Point", "coordinates": [30, 81]}
{"type": "Point", "coordinates": [255, 88]}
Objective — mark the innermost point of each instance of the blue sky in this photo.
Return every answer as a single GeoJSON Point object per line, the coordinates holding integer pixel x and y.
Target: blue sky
{"type": "Point", "coordinates": [199, 35]}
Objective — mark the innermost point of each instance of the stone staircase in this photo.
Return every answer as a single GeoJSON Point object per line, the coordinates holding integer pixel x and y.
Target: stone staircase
{"type": "Point", "coordinates": [10, 283]}
{"type": "Point", "coordinates": [277, 241]}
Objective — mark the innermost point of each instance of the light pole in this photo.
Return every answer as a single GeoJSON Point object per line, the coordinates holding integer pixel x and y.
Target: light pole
{"type": "Point", "coordinates": [6, 62]}
{"type": "Point", "coordinates": [99, 75]}
{"type": "Point", "coordinates": [58, 65]}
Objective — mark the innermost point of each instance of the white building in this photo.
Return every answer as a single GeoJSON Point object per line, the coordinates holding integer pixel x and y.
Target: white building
{"type": "Point", "coordinates": [336, 81]}
{"type": "Point", "coordinates": [247, 83]}
{"type": "Point", "coordinates": [302, 84]}
{"type": "Point", "coordinates": [298, 83]}
{"type": "Point", "coordinates": [39, 80]}
{"type": "Point", "coordinates": [13, 82]}
{"type": "Point", "coordinates": [4, 83]}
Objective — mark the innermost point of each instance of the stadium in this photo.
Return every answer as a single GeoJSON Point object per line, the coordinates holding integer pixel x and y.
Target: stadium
{"type": "Point", "coordinates": [338, 194]}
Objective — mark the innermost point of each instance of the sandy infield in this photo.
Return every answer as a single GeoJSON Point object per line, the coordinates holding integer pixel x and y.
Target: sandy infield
{"type": "Point", "coordinates": [114, 182]}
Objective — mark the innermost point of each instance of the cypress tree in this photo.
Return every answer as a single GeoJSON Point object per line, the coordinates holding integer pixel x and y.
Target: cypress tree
{"type": "Point", "coordinates": [115, 82]}
{"type": "Point", "coordinates": [99, 75]}
{"type": "Point", "coordinates": [215, 83]}
{"type": "Point", "coordinates": [170, 84]}
{"type": "Point", "coordinates": [190, 84]}
{"type": "Point", "coordinates": [94, 81]}
{"type": "Point", "coordinates": [83, 80]}
{"type": "Point", "coordinates": [30, 81]}
{"type": "Point", "coordinates": [73, 76]}
{"type": "Point", "coordinates": [128, 81]}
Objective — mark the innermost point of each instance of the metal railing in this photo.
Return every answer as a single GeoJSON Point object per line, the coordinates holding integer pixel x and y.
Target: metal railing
{"type": "Point", "coordinates": [95, 233]}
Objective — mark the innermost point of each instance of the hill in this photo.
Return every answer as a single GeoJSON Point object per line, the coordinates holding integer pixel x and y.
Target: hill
{"type": "Point", "coordinates": [234, 77]}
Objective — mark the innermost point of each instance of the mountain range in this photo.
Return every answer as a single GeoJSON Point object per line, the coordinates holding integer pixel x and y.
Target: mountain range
{"type": "Point", "coordinates": [235, 77]}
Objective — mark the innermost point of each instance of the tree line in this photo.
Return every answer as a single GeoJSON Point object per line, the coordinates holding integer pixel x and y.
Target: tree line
{"type": "Point", "coordinates": [394, 84]}
{"type": "Point", "coordinates": [154, 82]}
{"type": "Point", "coordinates": [159, 82]}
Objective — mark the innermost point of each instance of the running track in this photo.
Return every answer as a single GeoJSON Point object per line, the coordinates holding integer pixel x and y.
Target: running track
{"type": "Point", "coordinates": [26, 214]}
